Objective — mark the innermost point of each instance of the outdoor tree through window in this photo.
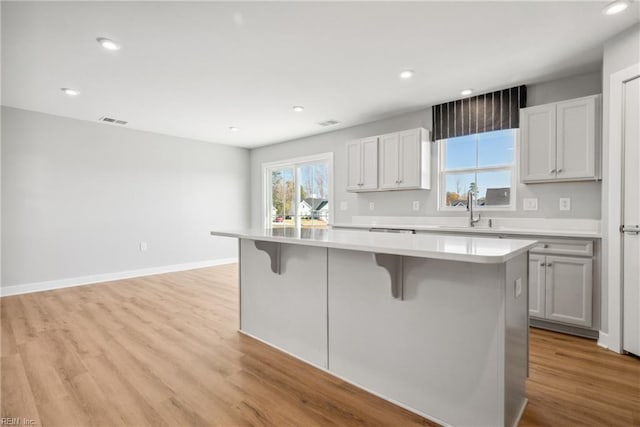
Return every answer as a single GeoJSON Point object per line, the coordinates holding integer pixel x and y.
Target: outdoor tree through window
{"type": "Point", "coordinates": [482, 163]}
{"type": "Point", "coordinates": [299, 194]}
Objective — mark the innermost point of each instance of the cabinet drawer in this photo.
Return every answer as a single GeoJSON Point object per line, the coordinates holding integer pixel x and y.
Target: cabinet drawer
{"type": "Point", "coordinates": [564, 247]}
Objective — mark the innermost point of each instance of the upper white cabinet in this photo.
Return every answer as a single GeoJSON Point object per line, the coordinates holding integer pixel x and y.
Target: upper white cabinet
{"type": "Point", "coordinates": [561, 141]}
{"type": "Point", "coordinates": [362, 164]}
{"type": "Point", "coordinates": [402, 162]}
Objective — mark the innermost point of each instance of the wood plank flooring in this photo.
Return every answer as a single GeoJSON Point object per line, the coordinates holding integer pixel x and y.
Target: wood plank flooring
{"type": "Point", "coordinates": [164, 351]}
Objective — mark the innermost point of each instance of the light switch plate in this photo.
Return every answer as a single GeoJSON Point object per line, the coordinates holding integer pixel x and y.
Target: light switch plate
{"type": "Point", "coordinates": [372, 206]}
{"type": "Point", "coordinates": [530, 204]}
{"type": "Point", "coordinates": [565, 204]}
{"type": "Point", "coordinates": [518, 287]}
{"type": "Point", "coordinates": [344, 205]}
{"type": "Point", "coordinates": [416, 205]}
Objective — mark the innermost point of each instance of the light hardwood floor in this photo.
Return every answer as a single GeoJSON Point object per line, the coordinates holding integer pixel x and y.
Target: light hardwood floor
{"type": "Point", "coordinates": [164, 350]}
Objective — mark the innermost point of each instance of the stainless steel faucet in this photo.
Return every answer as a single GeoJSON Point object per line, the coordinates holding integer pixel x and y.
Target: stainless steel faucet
{"type": "Point", "coordinates": [472, 221]}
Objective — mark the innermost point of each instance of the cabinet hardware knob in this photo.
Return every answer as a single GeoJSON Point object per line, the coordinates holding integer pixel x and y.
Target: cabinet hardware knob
{"type": "Point", "coordinates": [560, 170]}
{"type": "Point", "coordinates": [552, 171]}
{"type": "Point", "coordinates": [549, 265]}
{"type": "Point", "coordinates": [545, 246]}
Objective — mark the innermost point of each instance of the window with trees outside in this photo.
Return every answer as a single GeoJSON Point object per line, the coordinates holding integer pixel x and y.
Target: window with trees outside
{"type": "Point", "coordinates": [298, 192]}
{"type": "Point", "coordinates": [483, 163]}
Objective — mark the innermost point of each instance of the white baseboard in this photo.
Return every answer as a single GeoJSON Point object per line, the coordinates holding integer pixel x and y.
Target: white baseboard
{"type": "Point", "coordinates": [108, 277]}
{"type": "Point", "coordinates": [603, 340]}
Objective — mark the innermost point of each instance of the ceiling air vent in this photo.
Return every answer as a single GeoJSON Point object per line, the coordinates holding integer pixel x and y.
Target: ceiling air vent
{"type": "Point", "coordinates": [112, 121]}
{"type": "Point", "coordinates": [328, 123]}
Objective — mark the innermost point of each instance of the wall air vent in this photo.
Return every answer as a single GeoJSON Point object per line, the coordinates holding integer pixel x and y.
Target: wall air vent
{"type": "Point", "coordinates": [328, 123]}
{"type": "Point", "coordinates": [112, 121]}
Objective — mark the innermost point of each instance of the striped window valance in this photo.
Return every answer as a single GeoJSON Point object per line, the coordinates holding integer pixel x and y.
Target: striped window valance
{"type": "Point", "coordinates": [482, 113]}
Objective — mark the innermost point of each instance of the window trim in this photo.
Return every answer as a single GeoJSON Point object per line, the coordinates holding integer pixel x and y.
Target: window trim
{"type": "Point", "coordinates": [515, 177]}
{"type": "Point", "coordinates": [295, 162]}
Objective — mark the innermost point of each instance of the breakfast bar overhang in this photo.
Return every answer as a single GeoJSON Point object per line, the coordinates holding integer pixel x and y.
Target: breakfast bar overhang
{"type": "Point", "coordinates": [437, 324]}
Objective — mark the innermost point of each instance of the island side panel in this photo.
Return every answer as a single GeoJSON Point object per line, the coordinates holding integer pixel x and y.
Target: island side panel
{"type": "Point", "coordinates": [516, 337]}
{"type": "Point", "coordinates": [287, 310]}
{"type": "Point", "coordinates": [439, 351]}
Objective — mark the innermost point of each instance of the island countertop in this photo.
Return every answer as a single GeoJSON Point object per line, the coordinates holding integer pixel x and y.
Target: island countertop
{"type": "Point", "coordinates": [437, 246]}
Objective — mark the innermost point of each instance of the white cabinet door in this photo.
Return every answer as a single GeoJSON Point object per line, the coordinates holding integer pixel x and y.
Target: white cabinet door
{"type": "Point", "coordinates": [409, 144]}
{"type": "Point", "coordinates": [569, 290]}
{"type": "Point", "coordinates": [389, 161]}
{"type": "Point", "coordinates": [537, 273]}
{"type": "Point", "coordinates": [631, 241]}
{"type": "Point", "coordinates": [369, 154]}
{"type": "Point", "coordinates": [576, 139]}
{"type": "Point", "coordinates": [354, 165]}
{"type": "Point", "coordinates": [538, 143]}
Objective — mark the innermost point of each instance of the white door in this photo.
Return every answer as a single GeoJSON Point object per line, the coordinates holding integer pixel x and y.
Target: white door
{"type": "Point", "coordinates": [536, 285]}
{"type": "Point", "coordinates": [409, 174]}
{"type": "Point", "coordinates": [631, 217]}
{"type": "Point", "coordinates": [569, 289]}
{"type": "Point", "coordinates": [354, 165]}
{"type": "Point", "coordinates": [576, 139]}
{"type": "Point", "coordinates": [389, 161]}
{"type": "Point", "coordinates": [538, 143]}
{"type": "Point", "coordinates": [369, 163]}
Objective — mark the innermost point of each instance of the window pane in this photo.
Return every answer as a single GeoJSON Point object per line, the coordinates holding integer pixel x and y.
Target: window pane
{"type": "Point", "coordinates": [456, 187]}
{"type": "Point", "coordinates": [495, 148]}
{"type": "Point", "coordinates": [314, 195]}
{"type": "Point", "coordinates": [494, 188]}
{"type": "Point", "coordinates": [282, 198]}
{"type": "Point", "coordinates": [461, 152]}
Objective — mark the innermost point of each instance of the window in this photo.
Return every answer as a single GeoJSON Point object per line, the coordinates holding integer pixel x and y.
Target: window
{"type": "Point", "coordinates": [298, 192]}
{"type": "Point", "coordinates": [483, 163]}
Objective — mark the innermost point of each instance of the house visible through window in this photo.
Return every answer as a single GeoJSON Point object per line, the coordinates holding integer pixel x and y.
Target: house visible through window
{"type": "Point", "coordinates": [298, 192]}
{"type": "Point", "coordinates": [482, 163]}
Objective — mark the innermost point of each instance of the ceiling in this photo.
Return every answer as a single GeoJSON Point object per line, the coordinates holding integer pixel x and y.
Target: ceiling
{"type": "Point", "coordinates": [195, 69]}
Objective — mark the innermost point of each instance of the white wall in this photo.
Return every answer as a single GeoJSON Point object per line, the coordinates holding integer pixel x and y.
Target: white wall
{"type": "Point", "coordinates": [620, 52]}
{"type": "Point", "coordinates": [585, 197]}
{"type": "Point", "coordinates": [78, 197]}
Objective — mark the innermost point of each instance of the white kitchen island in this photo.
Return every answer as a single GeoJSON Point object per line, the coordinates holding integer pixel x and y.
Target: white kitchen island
{"type": "Point", "coordinates": [437, 324]}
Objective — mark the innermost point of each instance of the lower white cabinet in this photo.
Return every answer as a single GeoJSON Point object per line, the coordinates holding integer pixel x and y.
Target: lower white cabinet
{"type": "Point", "coordinates": [568, 290]}
{"type": "Point", "coordinates": [537, 278]}
{"type": "Point", "coordinates": [561, 288]}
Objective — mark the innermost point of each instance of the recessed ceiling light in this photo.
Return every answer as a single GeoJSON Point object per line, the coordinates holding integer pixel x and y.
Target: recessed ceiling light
{"type": "Point", "coordinates": [233, 129]}
{"type": "Point", "coordinates": [615, 7]}
{"type": "Point", "coordinates": [406, 74]}
{"type": "Point", "coordinates": [298, 108]}
{"type": "Point", "coordinates": [108, 43]}
{"type": "Point", "coordinates": [70, 92]}
{"type": "Point", "coordinates": [466, 92]}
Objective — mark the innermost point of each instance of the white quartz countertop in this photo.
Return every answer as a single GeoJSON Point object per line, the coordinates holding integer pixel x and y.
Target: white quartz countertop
{"type": "Point", "coordinates": [437, 246]}
{"type": "Point", "coordinates": [475, 230]}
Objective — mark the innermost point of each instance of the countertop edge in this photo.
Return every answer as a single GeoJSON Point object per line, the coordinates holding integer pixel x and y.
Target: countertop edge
{"type": "Point", "coordinates": [476, 259]}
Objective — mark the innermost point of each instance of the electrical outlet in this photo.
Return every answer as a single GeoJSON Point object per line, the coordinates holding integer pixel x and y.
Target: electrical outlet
{"type": "Point", "coordinates": [344, 205]}
{"type": "Point", "coordinates": [416, 205]}
{"type": "Point", "coordinates": [372, 206]}
{"type": "Point", "coordinates": [518, 286]}
{"type": "Point", "coordinates": [530, 204]}
{"type": "Point", "coordinates": [143, 246]}
{"type": "Point", "coordinates": [565, 204]}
